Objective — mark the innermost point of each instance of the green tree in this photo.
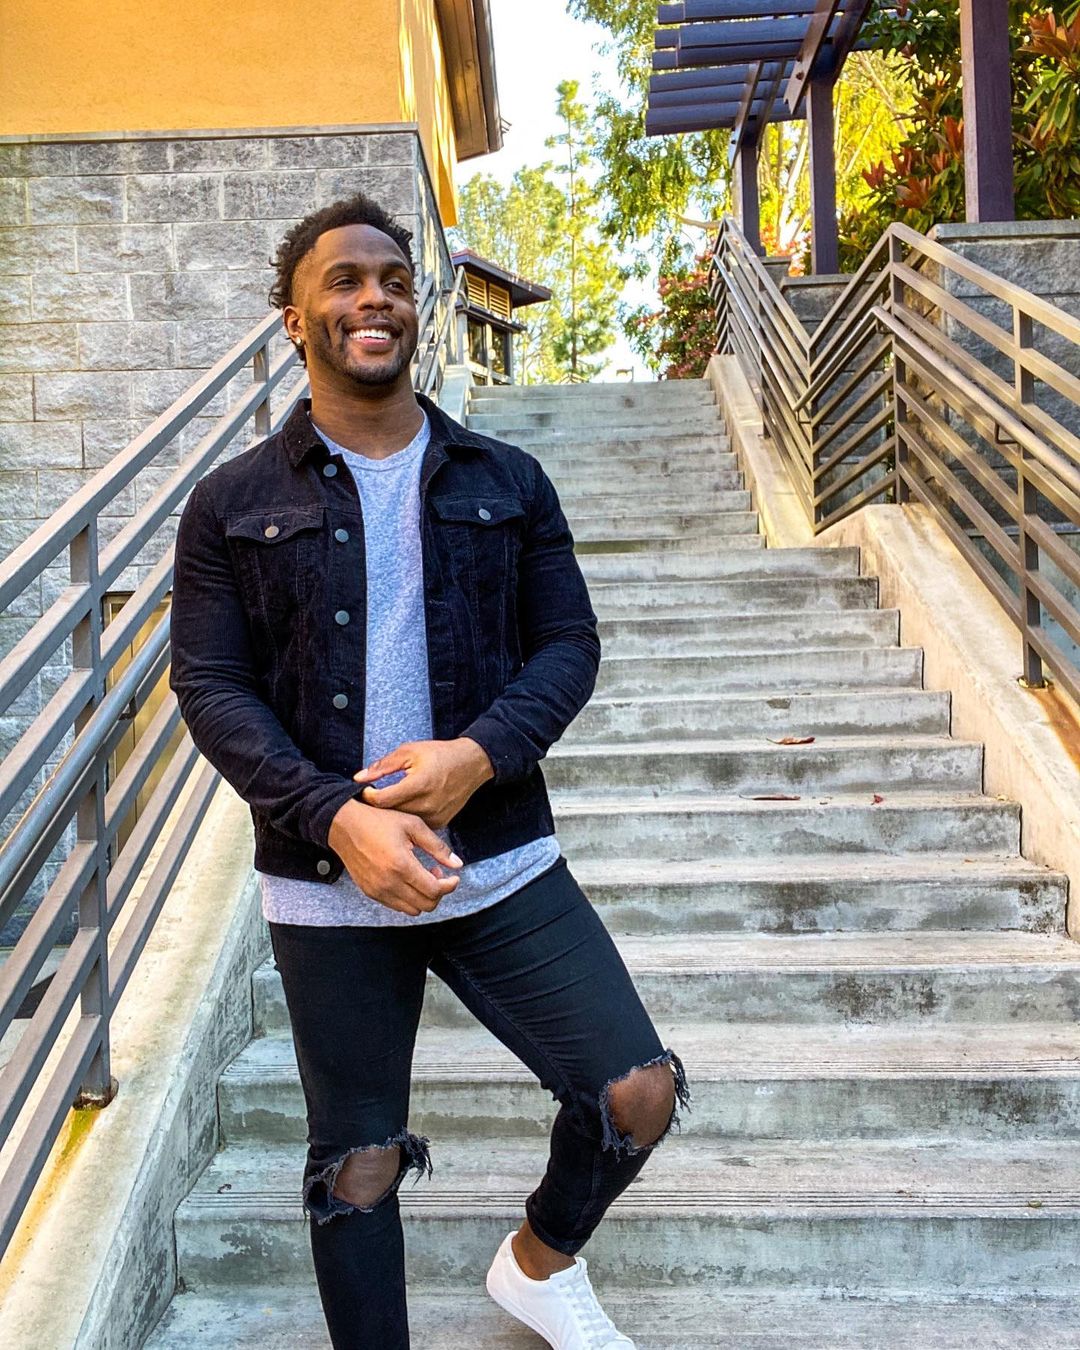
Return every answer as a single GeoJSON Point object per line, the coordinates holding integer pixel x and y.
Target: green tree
{"type": "Point", "coordinates": [593, 279]}
{"type": "Point", "coordinates": [544, 227]}
{"type": "Point", "coordinates": [522, 227]}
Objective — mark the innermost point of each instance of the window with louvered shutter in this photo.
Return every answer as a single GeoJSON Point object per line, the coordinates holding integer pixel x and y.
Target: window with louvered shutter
{"type": "Point", "coordinates": [499, 300]}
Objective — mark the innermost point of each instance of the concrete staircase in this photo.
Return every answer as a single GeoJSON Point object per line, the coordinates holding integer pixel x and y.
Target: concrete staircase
{"type": "Point", "coordinates": [869, 986]}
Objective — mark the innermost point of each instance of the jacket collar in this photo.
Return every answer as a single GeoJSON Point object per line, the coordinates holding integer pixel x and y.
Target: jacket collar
{"type": "Point", "coordinates": [301, 438]}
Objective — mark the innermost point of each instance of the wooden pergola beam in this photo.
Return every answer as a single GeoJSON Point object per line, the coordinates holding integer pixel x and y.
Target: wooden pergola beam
{"type": "Point", "coordinates": [985, 69]}
{"type": "Point", "coordinates": [817, 34]}
{"type": "Point", "coordinates": [697, 11]}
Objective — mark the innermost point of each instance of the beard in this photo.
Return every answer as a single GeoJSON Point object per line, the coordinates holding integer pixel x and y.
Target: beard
{"type": "Point", "coordinates": [367, 371]}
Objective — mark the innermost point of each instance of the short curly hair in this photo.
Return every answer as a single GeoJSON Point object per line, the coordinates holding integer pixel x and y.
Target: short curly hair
{"type": "Point", "coordinates": [300, 240]}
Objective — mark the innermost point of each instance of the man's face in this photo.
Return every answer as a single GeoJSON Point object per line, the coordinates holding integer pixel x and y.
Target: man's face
{"type": "Point", "coordinates": [354, 307]}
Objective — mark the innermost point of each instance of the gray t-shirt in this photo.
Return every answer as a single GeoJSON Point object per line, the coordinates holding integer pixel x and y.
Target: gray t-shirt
{"type": "Point", "coordinates": [397, 706]}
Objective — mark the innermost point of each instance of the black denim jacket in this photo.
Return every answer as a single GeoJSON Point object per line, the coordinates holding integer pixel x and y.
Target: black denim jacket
{"type": "Point", "coordinates": [269, 626]}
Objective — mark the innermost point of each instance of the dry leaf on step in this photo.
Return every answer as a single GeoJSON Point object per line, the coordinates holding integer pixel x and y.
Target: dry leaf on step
{"type": "Point", "coordinates": [876, 799]}
{"type": "Point", "coordinates": [771, 797]}
{"type": "Point", "coordinates": [791, 740]}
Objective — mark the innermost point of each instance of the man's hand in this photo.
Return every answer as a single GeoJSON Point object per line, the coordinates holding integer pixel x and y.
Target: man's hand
{"type": "Point", "coordinates": [377, 850]}
{"type": "Point", "coordinates": [440, 777]}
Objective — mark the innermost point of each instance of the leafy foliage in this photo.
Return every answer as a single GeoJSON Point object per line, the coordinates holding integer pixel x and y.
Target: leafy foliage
{"type": "Point", "coordinates": [921, 182]}
{"type": "Point", "coordinates": [545, 230]}
{"type": "Point", "coordinates": [677, 340]}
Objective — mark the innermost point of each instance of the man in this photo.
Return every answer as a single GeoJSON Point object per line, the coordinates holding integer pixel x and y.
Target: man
{"type": "Point", "coordinates": [379, 628]}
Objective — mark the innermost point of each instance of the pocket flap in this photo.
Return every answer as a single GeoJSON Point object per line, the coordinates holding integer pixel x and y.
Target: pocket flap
{"type": "Point", "coordinates": [478, 510]}
{"type": "Point", "coordinates": [274, 527]}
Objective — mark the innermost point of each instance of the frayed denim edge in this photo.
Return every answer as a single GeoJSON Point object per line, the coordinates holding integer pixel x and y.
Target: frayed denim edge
{"type": "Point", "coordinates": [416, 1156]}
{"type": "Point", "coordinates": [623, 1144]}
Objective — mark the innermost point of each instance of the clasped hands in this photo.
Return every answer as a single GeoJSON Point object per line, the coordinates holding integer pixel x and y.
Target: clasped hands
{"type": "Point", "coordinates": [375, 836]}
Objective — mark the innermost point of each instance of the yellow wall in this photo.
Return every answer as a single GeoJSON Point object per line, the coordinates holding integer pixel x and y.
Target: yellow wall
{"type": "Point", "coordinates": [122, 65]}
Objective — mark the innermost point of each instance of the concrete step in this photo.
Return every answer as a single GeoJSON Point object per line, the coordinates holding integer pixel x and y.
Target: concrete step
{"type": "Point", "coordinates": [707, 826]}
{"type": "Point", "coordinates": [711, 633]}
{"type": "Point", "coordinates": [830, 764]}
{"type": "Point", "coordinates": [631, 499]}
{"type": "Point", "coordinates": [714, 543]}
{"type": "Point", "coordinates": [823, 893]}
{"type": "Point", "coordinates": [657, 462]}
{"type": "Point", "coordinates": [660, 1318]}
{"type": "Point", "coordinates": [555, 447]}
{"type": "Point", "coordinates": [958, 1217]}
{"type": "Point", "coordinates": [593, 395]}
{"type": "Point", "coordinates": [749, 1081]}
{"type": "Point", "coordinates": [775, 673]}
{"type": "Point", "coordinates": [507, 423]}
{"type": "Point", "coordinates": [648, 525]}
{"type": "Point", "coordinates": [600, 443]}
{"type": "Point", "coordinates": [584, 480]}
{"type": "Point", "coordinates": [835, 979]}
{"type": "Point", "coordinates": [705, 567]}
{"type": "Point", "coordinates": [760, 595]}
{"type": "Point", "coordinates": [835, 711]}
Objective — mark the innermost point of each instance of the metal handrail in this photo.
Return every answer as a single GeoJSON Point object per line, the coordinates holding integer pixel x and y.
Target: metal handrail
{"type": "Point", "coordinates": [909, 391]}
{"type": "Point", "coordinates": [63, 1058]}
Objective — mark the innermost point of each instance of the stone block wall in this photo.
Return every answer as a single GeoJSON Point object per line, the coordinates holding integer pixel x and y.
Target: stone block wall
{"type": "Point", "coordinates": [129, 265]}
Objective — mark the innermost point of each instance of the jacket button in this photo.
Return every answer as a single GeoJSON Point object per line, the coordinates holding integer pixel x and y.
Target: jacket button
{"type": "Point", "coordinates": [322, 867]}
{"type": "Point", "coordinates": [342, 536]}
{"type": "Point", "coordinates": [329, 470]}
{"type": "Point", "coordinates": [342, 616]}
{"type": "Point", "coordinates": [341, 700]}
{"type": "Point", "coordinates": [484, 513]}
{"type": "Point", "coordinates": [271, 531]}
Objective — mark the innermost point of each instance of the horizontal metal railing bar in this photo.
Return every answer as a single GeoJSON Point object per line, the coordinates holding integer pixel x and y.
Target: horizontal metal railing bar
{"type": "Point", "coordinates": [71, 773]}
{"type": "Point", "coordinates": [1006, 548]}
{"type": "Point", "coordinates": [1050, 373]}
{"type": "Point", "coordinates": [122, 795]}
{"type": "Point", "coordinates": [76, 601]}
{"type": "Point", "coordinates": [1050, 544]}
{"type": "Point", "coordinates": [870, 493]}
{"type": "Point", "coordinates": [1063, 441]}
{"type": "Point", "coordinates": [132, 857]}
{"type": "Point", "coordinates": [870, 360]}
{"type": "Point", "coordinates": [125, 547]}
{"type": "Point", "coordinates": [77, 691]}
{"type": "Point", "coordinates": [873, 391]}
{"type": "Point", "coordinates": [20, 1176]}
{"type": "Point", "coordinates": [1055, 604]}
{"type": "Point", "coordinates": [970, 460]}
{"type": "Point", "coordinates": [19, 1074]}
{"type": "Point", "coordinates": [764, 347]}
{"type": "Point", "coordinates": [870, 267]}
{"type": "Point", "coordinates": [30, 558]}
{"type": "Point", "coordinates": [958, 309]}
{"type": "Point", "coordinates": [993, 582]}
{"type": "Point", "coordinates": [771, 295]}
{"type": "Point", "coordinates": [1034, 306]}
{"type": "Point", "coordinates": [836, 340]}
{"type": "Point", "coordinates": [133, 939]}
{"type": "Point", "coordinates": [38, 938]}
{"type": "Point", "coordinates": [852, 443]}
{"type": "Point", "coordinates": [856, 470]}
{"type": "Point", "coordinates": [975, 399]}
{"type": "Point", "coordinates": [41, 845]}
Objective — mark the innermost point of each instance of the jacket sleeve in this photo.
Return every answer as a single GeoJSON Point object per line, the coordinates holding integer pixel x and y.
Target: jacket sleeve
{"type": "Point", "coordinates": [214, 678]}
{"type": "Point", "coordinates": [559, 644]}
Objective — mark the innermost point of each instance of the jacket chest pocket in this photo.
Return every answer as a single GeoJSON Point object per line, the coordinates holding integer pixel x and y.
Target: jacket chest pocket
{"type": "Point", "coordinates": [277, 555]}
{"type": "Point", "coordinates": [480, 537]}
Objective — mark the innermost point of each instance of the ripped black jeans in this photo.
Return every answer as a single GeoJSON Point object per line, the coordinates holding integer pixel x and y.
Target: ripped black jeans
{"type": "Point", "coordinates": [541, 972]}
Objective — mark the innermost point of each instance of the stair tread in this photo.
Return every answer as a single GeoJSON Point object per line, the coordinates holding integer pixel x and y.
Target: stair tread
{"type": "Point", "coordinates": [711, 745]}
{"type": "Point", "coordinates": [1033, 1178]}
{"type": "Point", "coordinates": [748, 1051]}
{"type": "Point", "coordinates": [275, 1318]}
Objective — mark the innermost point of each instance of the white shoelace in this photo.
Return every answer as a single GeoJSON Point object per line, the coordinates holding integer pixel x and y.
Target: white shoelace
{"type": "Point", "coordinates": [595, 1323]}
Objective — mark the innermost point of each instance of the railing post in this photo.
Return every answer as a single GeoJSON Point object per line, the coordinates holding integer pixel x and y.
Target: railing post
{"type": "Point", "coordinates": [260, 366]}
{"type": "Point", "coordinates": [1027, 505]}
{"type": "Point", "coordinates": [97, 1087]}
{"type": "Point", "coordinates": [900, 454]}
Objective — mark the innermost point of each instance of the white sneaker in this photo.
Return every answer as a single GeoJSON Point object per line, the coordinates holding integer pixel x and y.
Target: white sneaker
{"type": "Point", "coordinates": [563, 1309]}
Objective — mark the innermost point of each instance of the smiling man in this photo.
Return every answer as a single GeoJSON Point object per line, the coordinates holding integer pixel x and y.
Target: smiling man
{"type": "Point", "coordinates": [379, 628]}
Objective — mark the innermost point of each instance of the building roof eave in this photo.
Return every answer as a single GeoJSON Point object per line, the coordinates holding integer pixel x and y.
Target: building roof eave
{"type": "Point", "coordinates": [468, 48]}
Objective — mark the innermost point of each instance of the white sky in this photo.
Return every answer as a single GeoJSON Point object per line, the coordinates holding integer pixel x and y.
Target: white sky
{"type": "Point", "coordinates": [537, 45]}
